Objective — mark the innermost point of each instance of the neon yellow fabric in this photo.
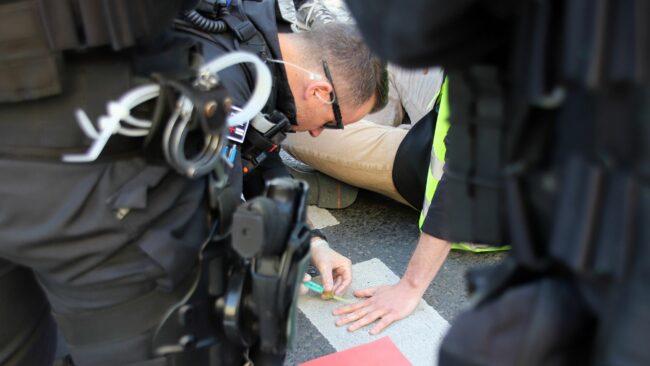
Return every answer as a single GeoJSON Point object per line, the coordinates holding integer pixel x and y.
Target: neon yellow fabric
{"type": "Point", "coordinates": [442, 125]}
{"type": "Point", "coordinates": [438, 148]}
{"type": "Point", "coordinates": [478, 248]}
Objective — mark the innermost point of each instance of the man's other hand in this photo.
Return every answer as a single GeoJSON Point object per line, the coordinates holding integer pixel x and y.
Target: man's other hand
{"type": "Point", "coordinates": [335, 269]}
{"type": "Point", "coordinates": [386, 303]}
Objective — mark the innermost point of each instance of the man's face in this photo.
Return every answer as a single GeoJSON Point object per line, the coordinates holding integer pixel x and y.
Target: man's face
{"type": "Point", "coordinates": [313, 110]}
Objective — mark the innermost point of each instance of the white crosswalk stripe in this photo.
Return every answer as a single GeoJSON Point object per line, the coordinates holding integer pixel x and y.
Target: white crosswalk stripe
{"type": "Point", "coordinates": [321, 218]}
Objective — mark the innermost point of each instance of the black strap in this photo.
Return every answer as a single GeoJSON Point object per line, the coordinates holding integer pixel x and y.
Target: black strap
{"type": "Point", "coordinates": [316, 233]}
{"type": "Point", "coordinates": [243, 29]}
{"type": "Point", "coordinates": [249, 37]}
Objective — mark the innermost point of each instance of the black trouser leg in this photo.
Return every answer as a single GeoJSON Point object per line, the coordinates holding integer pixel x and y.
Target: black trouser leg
{"type": "Point", "coordinates": [27, 331]}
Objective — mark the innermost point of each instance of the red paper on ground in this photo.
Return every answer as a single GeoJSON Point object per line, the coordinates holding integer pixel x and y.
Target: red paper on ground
{"type": "Point", "coordinates": [380, 352]}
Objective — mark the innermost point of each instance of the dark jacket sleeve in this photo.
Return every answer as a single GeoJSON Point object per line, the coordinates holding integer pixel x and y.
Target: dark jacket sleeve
{"type": "Point", "coordinates": [436, 221]}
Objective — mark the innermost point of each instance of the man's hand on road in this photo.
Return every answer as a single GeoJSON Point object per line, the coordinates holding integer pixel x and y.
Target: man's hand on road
{"type": "Point", "coordinates": [392, 303]}
{"type": "Point", "coordinates": [386, 303]}
{"type": "Point", "coordinates": [335, 269]}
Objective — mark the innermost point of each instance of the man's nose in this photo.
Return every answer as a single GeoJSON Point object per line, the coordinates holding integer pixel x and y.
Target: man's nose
{"type": "Point", "coordinates": [315, 133]}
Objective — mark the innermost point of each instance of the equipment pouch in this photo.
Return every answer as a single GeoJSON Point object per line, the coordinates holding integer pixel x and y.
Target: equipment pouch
{"type": "Point", "coordinates": [28, 68]}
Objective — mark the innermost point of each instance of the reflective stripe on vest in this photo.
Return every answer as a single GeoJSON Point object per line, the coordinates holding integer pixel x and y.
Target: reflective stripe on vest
{"type": "Point", "coordinates": [436, 166]}
{"type": "Point", "coordinates": [438, 150]}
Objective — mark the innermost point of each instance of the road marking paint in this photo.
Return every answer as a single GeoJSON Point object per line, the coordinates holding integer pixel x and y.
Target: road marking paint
{"type": "Point", "coordinates": [418, 336]}
{"type": "Point", "coordinates": [320, 217]}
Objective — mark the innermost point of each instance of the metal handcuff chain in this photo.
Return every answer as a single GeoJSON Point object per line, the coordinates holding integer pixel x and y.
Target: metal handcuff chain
{"type": "Point", "coordinates": [174, 138]}
{"type": "Point", "coordinates": [177, 129]}
{"type": "Point", "coordinates": [119, 120]}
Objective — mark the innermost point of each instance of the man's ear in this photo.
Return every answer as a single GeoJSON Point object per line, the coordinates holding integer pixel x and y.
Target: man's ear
{"type": "Point", "coordinates": [319, 87]}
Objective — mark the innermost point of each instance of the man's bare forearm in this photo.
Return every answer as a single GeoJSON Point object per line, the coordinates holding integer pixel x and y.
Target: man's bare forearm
{"type": "Point", "coordinates": [425, 263]}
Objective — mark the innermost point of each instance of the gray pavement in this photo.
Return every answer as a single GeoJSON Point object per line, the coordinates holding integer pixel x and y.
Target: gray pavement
{"type": "Point", "coordinates": [377, 227]}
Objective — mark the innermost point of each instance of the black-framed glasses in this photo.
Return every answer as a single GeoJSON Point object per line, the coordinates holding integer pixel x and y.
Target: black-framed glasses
{"type": "Point", "coordinates": [337, 124]}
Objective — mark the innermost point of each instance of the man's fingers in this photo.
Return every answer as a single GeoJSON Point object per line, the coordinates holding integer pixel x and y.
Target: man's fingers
{"type": "Point", "coordinates": [367, 319]}
{"type": "Point", "coordinates": [326, 277]}
{"type": "Point", "coordinates": [331, 292]}
{"type": "Point", "coordinates": [345, 274]}
{"type": "Point", "coordinates": [349, 308]}
{"type": "Point", "coordinates": [385, 321]}
{"type": "Point", "coordinates": [352, 317]}
{"type": "Point", "coordinates": [337, 283]}
{"type": "Point", "coordinates": [366, 292]}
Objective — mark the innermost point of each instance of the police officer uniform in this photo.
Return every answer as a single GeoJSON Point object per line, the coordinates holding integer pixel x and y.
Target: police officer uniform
{"type": "Point", "coordinates": [88, 244]}
{"type": "Point", "coordinates": [106, 248]}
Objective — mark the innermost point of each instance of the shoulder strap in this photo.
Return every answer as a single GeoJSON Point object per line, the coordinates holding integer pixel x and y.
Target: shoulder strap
{"type": "Point", "coordinates": [249, 37]}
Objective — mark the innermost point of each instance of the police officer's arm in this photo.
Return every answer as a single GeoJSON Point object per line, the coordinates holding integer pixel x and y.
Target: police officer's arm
{"type": "Point", "coordinates": [392, 303]}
